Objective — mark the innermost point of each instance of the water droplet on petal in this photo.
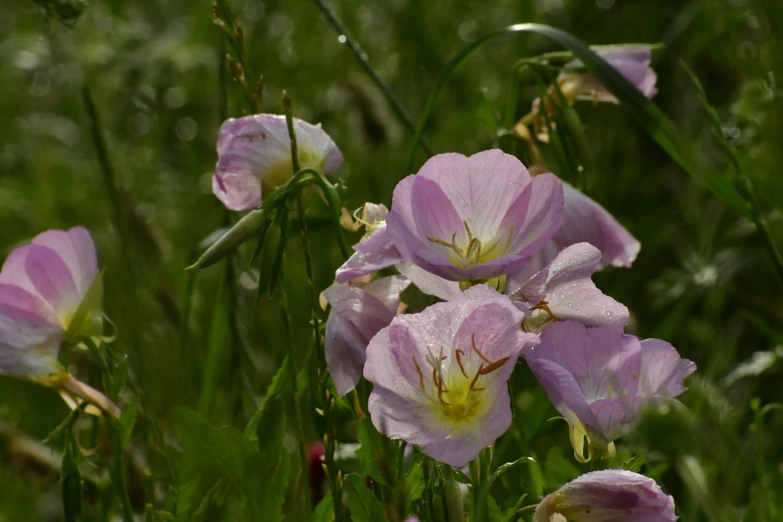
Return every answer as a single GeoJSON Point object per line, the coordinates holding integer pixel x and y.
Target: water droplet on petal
{"type": "Point", "coordinates": [608, 313]}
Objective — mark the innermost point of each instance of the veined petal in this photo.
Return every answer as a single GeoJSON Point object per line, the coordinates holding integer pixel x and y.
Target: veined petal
{"type": "Point", "coordinates": [543, 217]}
{"type": "Point", "coordinates": [77, 250]}
{"type": "Point", "coordinates": [663, 371]}
{"type": "Point", "coordinates": [42, 272]}
{"type": "Point", "coordinates": [571, 293]}
{"type": "Point", "coordinates": [481, 187]}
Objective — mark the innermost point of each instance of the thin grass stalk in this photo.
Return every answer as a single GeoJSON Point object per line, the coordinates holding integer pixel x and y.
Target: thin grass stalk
{"type": "Point", "coordinates": [364, 61]}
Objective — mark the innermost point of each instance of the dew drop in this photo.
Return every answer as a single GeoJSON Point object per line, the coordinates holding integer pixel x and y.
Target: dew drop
{"type": "Point", "coordinates": [608, 313]}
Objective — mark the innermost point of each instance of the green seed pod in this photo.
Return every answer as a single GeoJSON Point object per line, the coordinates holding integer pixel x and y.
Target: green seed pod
{"type": "Point", "coordinates": [438, 508]}
{"type": "Point", "coordinates": [246, 228]}
{"type": "Point", "coordinates": [455, 507]}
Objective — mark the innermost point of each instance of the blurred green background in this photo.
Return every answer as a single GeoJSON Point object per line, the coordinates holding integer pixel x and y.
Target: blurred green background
{"type": "Point", "coordinates": [703, 280]}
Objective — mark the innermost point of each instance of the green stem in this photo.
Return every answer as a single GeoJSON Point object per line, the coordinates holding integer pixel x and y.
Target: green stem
{"type": "Point", "coordinates": [295, 396]}
{"type": "Point", "coordinates": [117, 471]}
{"type": "Point", "coordinates": [106, 168]}
{"type": "Point", "coordinates": [364, 60]}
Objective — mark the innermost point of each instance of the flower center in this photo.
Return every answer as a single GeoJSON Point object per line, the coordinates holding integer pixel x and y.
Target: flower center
{"type": "Point", "coordinates": [457, 396]}
{"type": "Point", "coordinates": [475, 251]}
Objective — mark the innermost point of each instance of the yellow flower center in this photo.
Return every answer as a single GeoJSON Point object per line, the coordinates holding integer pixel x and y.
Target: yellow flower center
{"type": "Point", "coordinates": [476, 250]}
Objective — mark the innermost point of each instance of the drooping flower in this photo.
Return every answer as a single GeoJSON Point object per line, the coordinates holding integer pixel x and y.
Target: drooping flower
{"type": "Point", "coordinates": [601, 379]}
{"type": "Point", "coordinates": [564, 291]}
{"type": "Point", "coordinates": [586, 221]}
{"type": "Point", "coordinates": [440, 376]}
{"type": "Point", "coordinates": [474, 218]}
{"type": "Point", "coordinates": [632, 61]}
{"type": "Point", "coordinates": [255, 151]}
{"type": "Point", "coordinates": [50, 293]}
{"type": "Point", "coordinates": [358, 313]}
{"type": "Point", "coordinates": [611, 495]}
{"type": "Point", "coordinates": [375, 251]}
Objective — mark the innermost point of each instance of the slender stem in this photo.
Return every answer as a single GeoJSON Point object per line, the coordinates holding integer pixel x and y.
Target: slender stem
{"type": "Point", "coordinates": [107, 170]}
{"type": "Point", "coordinates": [761, 225]}
{"type": "Point", "coordinates": [118, 469]}
{"type": "Point", "coordinates": [295, 396]}
{"type": "Point", "coordinates": [364, 60]}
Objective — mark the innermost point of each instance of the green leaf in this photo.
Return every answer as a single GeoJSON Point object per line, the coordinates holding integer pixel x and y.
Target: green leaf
{"type": "Point", "coordinates": [362, 503]}
{"type": "Point", "coordinates": [646, 113]}
{"type": "Point", "coordinates": [373, 455]}
{"type": "Point", "coordinates": [324, 511]}
{"type": "Point", "coordinates": [273, 393]}
{"type": "Point", "coordinates": [507, 466]}
{"type": "Point", "coordinates": [414, 479]}
{"type": "Point", "coordinates": [72, 485]}
{"type": "Point", "coordinates": [221, 466]}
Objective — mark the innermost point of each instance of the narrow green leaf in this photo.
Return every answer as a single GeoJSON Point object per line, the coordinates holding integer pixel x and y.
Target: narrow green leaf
{"type": "Point", "coordinates": [72, 485]}
{"type": "Point", "coordinates": [507, 466]}
{"type": "Point", "coordinates": [646, 113]}
{"type": "Point", "coordinates": [362, 503]}
{"type": "Point", "coordinates": [461, 477]}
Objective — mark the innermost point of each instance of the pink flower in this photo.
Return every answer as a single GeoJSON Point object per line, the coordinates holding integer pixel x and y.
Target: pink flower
{"type": "Point", "coordinates": [611, 495]}
{"type": "Point", "coordinates": [42, 286]}
{"type": "Point", "coordinates": [256, 150]}
{"type": "Point", "coordinates": [358, 313]}
{"type": "Point", "coordinates": [476, 218]}
{"type": "Point", "coordinates": [50, 293]}
{"type": "Point", "coordinates": [601, 379]}
{"type": "Point", "coordinates": [440, 376]}
{"type": "Point", "coordinates": [633, 62]}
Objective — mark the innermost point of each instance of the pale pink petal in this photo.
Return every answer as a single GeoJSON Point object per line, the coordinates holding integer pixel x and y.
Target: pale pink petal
{"type": "Point", "coordinates": [571, 293]}
{"type": "Point", "coordinates": [28, 345]}
{"type": "Point", "coordinates": [76, 248]}
{"type": "Point", "coordinates": [663, 371]}
{"type": "Point", "coordinates": [344, 347]}
{"type": "Point", "coordinates": [612, 495]}
{"type": "Point", "coordinates": [429, 283]}
{"type": "Point", "coordinates": [373, 253]}
{"type": "Point", "coordinates": [480, 187]}
{"type": "Point", "coordinates": [543, 217]}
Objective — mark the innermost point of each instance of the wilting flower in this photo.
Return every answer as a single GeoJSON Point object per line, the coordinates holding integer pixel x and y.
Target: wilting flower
{"type": "Point", "coordinates": [49, 294]}
{"type": "Point", "coordinates": [358, 313]}
{"type": "Point", "coordinates": [611, 495]}
{"type": "Point", "coordinates": [564, 291]}
{"type": "Point", "coordinates": [584, 220]}
{"type": "Point", "coordinates": [600, 380]}
{"type": "Point", "coordinates": [633, 62]}
{"type": "Point", "coordinates": [440, 376]}
{"type": "Point", "coordinates": [474, 218]}
{"type": "Point", "coordinates": [255, 151]}
{"type": "Point", "coordinates": [375, 251]}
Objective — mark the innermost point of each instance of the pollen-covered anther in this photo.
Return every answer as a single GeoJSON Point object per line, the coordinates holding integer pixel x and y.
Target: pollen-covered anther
{"type": "Point", "coordinates": [543, 305]}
